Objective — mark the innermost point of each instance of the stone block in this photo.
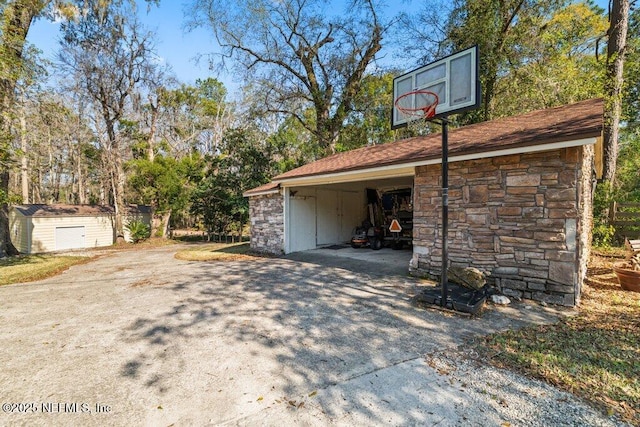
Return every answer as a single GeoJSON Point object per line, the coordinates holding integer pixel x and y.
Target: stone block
{"type": "Point", "coordinates": [567, 178]}
{"type": "Point", "coordinates": [528, 180]}
{"type": "Point", "coordinates": [556, 225]}
{"type": "Point", "coordinates": [560, 246]}
{"type": "Point", "coordinates": [516, 240]}
{"type": "Point", "coordinates": [569, 300]}
{"type": "Point", "coordinates": [478, 194]}
{"type": "Point", "coordinates": [561, 194]}
{"type": "Point", "coordinates": [526, 234]}
{"type": "Point", "coordinates": [535, 286]}
{"type": "Point", "coordinates": [562, 272]}
{"type": "Point", "coordinates": [505, 271]}
{"type": "Point", "coordinates": [534, 255]}
{"type": "Point", "coordinates": [533, 212]}
{"type": "Point", "coordinates": [509, 211]}
{"type": "Point", "coordinates": [532, 272]}
{"type": "Point", "coordinates": [543, 236]}
{"type": "Point", "coordinates": [506, 160]}
{"type": "Point", "coordinates": [566, 204]}
{"type": "Point", "coordinates": [571, 154]}
{"type": "Point", "coordinates": [570, 231]}
{"type": "Point", "coordinates": [562, 289]}
{"type": "Point", "coordinates": [539, 262]}
{"type": "Point", "coordinates": [561, 213]}
{"type": "Point", "coordinates": [564, 256]}
{"type": "Point", "coordinates": [511, 292]}
{"type": "Point", "coordinates": [518, 191]}
{"type": "Point", "coordinates": [476, 219]}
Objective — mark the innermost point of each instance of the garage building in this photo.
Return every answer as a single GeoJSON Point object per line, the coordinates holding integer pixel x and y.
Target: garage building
{"type": "Point", "coordinates": [38, 228]}
{"type": "Point", "coordinates": [520, 199]}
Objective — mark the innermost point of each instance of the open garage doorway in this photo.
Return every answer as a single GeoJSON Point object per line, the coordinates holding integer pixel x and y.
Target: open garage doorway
{"type": "Point", "coordinates": [327, 216]}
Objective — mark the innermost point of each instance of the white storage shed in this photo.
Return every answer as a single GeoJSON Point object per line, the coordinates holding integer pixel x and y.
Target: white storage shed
{"type": "Point", "coordinates": [37, 228]}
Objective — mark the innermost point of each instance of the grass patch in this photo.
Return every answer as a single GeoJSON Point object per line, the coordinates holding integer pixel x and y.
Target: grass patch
{"type": "Point", "coordinates": [27, 268]}
{"type": "Point", "coordinates": [595, 355]}
{"type": "Point", "coordinates": [150, 243]}
{"type": "Point", "coordinates": [217, 252]}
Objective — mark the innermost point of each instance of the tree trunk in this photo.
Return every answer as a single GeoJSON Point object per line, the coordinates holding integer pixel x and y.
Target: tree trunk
{"type": "Point", "coordinates": [616, 47]}
{"type": "Point", "coordinates": [82, 199]}
{"type": "Point", "coordinates": [7, 247]}
{"type": "Point", "coordinates": [152, 131]}
{"type": "Point", "coordinates": [166, 217]}
{"type": "Point", "coordinates": [37, 189]}
{"type": "Point", "coordinates": [24, 163]}
{"type": "Point", "coordinates": [16, 20]}
{"type": "Point", "coordinates": [118, 195]}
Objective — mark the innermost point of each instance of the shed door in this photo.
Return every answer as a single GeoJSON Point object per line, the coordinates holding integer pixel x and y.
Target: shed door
{"type": "Point", "coordinates": [328, 217]}
{"type": "Point", "coordinates": [69, 238]}
{"type": "Point", "coordinates": [302, 223]}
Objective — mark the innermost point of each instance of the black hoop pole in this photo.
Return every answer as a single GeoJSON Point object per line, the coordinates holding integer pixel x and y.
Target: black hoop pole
{"type": "Point", "coordinates": [445, 211]}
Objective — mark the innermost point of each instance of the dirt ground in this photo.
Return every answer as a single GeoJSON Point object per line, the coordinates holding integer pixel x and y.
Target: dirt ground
{"type": "Point", "coordinates": [141, 338]}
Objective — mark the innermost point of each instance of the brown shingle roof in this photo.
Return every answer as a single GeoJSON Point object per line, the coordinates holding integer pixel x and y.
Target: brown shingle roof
{"type": "Point", "coordinates": [266, 188]}
{"type": "Point", "coordinates": [569, 122]}
{"type": "Point", "coordinates": [40, 210]}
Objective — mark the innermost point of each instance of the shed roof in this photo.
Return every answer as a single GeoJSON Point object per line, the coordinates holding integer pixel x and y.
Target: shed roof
{"type": "Point", "coordinates": [538, 128]}
{"type": "Point", "coordinates": [61, 210]}
{"type": "Point", "coordinates": [269, 187]}
{"type": "Point", "coordinates": [569, 122]}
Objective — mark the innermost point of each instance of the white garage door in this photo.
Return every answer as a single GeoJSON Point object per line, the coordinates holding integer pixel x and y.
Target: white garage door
{"type": "Point", "coordinates": [69, 238]}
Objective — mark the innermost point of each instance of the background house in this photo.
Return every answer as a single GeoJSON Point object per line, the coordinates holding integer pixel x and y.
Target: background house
{"type": "Point", "coordinates": [37, 228]}
{"type": "Point", "coordinates": [520, 199]}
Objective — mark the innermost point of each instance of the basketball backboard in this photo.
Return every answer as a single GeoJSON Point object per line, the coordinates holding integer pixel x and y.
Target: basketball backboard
{"type": "Point", "coordinates": [454, 79]}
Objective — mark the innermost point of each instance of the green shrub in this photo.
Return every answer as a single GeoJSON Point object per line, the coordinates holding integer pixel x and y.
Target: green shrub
{"type": "Point", "coordinates": [138, 230]}
{"type": "Point", "coordinates": [603, 234]}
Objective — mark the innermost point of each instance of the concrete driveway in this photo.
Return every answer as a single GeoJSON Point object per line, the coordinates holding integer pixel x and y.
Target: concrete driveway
{"type": "Point", "coordinates": [140, 338]}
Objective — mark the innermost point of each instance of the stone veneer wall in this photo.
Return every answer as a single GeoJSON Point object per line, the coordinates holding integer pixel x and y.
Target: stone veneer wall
{"type": "Point", "coordinates": [524, 219]}
{"type": "Point", "coordinates": [267, 223]}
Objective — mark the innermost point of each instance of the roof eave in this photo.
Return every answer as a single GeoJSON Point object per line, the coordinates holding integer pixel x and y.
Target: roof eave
{"type": "Point", "coordinates": [387, 169]}
{"type": "Point", "coordinates": [260, 193]}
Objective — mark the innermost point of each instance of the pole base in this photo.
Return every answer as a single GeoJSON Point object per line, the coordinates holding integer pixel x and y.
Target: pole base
{"type": "Point", "coordinates": [459, 299]}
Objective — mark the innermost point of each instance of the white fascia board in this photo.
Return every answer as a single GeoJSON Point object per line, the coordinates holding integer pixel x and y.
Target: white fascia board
{"type": "Point", "coordinates": [392, 171]}
{"type": "Point", "coordinates": [408, 169]}
{"type": "Point", "coordinates": [261, 193]}
{"type": "Point", "coordinates": [518, 150]}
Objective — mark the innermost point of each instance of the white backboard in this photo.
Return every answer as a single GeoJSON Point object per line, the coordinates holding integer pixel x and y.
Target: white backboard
{"type": "Point", "coordinates": [453, 78]}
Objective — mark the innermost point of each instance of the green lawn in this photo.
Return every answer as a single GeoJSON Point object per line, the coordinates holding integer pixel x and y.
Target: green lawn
{"type": "Point", "coordinates": [27, 268]}
{"type": "Point", "coordinates": [595, 355]}
{"type": "Point", "coordinates": [216, 252]}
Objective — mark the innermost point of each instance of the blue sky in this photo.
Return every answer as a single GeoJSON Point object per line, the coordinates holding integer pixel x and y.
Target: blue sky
{"type": "Point", "coordinates": [175, 45]}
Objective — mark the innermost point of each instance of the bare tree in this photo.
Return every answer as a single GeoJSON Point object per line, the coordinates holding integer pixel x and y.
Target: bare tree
{"type": "Point", "coordinates": [16, 18]}
{"type": "Point", "coordinates": [111, 56]}
{"type": "Point", "coordinates": [298, 57]}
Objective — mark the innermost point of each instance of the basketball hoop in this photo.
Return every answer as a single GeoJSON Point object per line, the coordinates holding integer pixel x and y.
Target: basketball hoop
{"type": "Point", "coordinates": [424, 106]}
